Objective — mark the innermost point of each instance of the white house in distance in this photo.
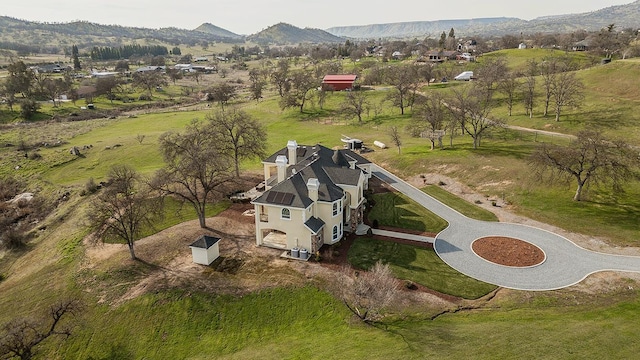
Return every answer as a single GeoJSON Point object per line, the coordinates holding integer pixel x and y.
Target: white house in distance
{"type": "Point", "coordinates": [313, 196]}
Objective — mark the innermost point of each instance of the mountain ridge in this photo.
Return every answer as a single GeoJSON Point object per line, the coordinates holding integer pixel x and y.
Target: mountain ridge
{"type": "Point", "coordinates": [623, 16]}
{"type": "Point", "coordinates": [31, 33]}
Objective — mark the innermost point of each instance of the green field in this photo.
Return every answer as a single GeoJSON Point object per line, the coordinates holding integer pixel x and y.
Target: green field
{"type": "Point", "coordinates": [416, 264]}
{"type": "Point", "coordinates": [303, 320]}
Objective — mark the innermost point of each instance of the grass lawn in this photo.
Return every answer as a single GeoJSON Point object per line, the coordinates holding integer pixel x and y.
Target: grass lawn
{"type": "Point", "coordinates": [281, 323]}
{"type": "Point", "coordinates": [539, 332]}
{"type": "Point", "coordinates": [417, 264]}
{"type": "Point", "coordinates": [397, 210]}
{"type": "Point", "coordinates": [462, 206]}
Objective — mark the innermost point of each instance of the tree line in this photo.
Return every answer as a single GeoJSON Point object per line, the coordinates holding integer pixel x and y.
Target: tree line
{"type": "Point", "coordinates": [127, 51]}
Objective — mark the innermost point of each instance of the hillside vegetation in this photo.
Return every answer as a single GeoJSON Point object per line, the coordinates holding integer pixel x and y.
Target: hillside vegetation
{"type": "Point", "coordinates": [252, 304]}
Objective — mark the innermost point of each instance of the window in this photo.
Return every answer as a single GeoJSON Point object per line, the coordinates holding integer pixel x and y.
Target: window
{"type": "Point", "coordinates": [334, 237]}
{"type": "Point", "coordinates": [335, 209]}
{"type": "Point", "coordinates": [286, 213]}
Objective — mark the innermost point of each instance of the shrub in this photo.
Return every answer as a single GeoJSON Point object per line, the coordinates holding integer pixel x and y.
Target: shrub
{"type": "Point", "coordinates": [34, 155]}
{"type": "Point", "coordinates": [12, 239]}
{"type": "Point", "coordinates": [90, 187]}
{"type": "Point", "coordinates": [28, 108]}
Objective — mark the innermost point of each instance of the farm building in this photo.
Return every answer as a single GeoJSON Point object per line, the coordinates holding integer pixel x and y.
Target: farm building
{"type": "Point", "coordinates": [338, 82]}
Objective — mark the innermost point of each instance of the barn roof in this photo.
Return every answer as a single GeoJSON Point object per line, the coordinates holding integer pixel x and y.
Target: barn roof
{"type": "Point", "coordinates": [339, 78]}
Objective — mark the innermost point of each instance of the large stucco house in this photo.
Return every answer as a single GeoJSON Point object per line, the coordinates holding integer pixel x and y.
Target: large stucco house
{"type": "Point", "coordinates": [313, 196]}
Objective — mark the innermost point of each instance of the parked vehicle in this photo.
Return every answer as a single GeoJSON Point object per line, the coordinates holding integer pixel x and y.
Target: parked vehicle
{"type": "Point", "coordinates": [464, 76]}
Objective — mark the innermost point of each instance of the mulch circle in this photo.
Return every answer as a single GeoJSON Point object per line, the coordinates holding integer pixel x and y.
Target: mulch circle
{"type": "Point", "coordinates": [508, 251]}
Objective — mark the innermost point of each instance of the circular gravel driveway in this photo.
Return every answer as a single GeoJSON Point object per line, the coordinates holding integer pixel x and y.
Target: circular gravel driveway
{"type": "Point", "coordinates": [565, 264]}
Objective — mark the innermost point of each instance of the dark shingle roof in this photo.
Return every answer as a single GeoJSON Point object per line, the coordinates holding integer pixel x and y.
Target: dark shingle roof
{"type": "Point", "coordinates": [314, 224]}
{"type": "Point", "coordinates": [330, 167]}
{"type": "Point", "coordinates": [205, 242]}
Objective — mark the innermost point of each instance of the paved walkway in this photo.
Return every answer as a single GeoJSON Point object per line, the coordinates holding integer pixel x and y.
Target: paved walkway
{"type": "Point", "coordinates": [401, 235]}
{"type": "Point", "coordinates": [566, 263]}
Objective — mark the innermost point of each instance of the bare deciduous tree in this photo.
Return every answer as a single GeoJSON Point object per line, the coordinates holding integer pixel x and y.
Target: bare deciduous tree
{"type": "Point", "coordinates": [430, 116]}
{"type": "Point", "coordinates": [108, 86]}
{"type": "Point", "coordinates": [20, 336]}
{"type": "Point", "coordinates": [589, 158]}
{"type": "Point", "coordinates": [367, 293]}
{"type": "Point", "coordinates": [490, 72]}
{"type": "Point", "coordinates": [549, 69]}
{"type": "Point", "coordinates": [242, 136]}
{"type": "Point", "coordinates": [355, 104]}
{"type": "Point", "coordinates": [149, 80]}
{"type": "Point", "coordinates": [405, 81]}
{"type": "Point", "coordinates": [124, 207]}
{"type": "Point", "coordinates": [471, 108]}
{"type": "Point", "coordinates": [529, 94]}
{"type": "Point", "coordinates": [394, 132]}
{"type": "Point", "coordinates": [509, 86]}
{"type": "Point", "coordinates": [197, 164]}
{"type": "Point", "coordinates": [567, 90]}
{"type": "Point", "coordinates": [222, 93]}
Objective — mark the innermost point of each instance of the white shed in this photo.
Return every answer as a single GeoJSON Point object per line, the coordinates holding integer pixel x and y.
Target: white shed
{"type": "Point", "coordinates": [205, 250]}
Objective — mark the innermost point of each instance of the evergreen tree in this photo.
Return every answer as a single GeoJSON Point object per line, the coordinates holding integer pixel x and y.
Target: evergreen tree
{"type": "Point", "coordinates": [74, 55]}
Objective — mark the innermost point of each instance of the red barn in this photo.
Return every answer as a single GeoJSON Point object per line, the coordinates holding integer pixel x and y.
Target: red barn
{"type": "Point", "coordinates": [338, 82]}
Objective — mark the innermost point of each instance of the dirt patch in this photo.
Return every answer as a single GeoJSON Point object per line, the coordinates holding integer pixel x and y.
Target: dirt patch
{"type": "Point", "coordinates": [508, 251]}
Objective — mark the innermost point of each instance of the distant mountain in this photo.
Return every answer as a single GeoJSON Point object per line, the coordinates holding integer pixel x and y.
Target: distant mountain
{"type": "Point", "coordinates": [217, 31]}
{"type": "Point", "coordinates": [421, 29]}
{"type": "Point", "coordinates": [622, 16]}
{"type": "Point", "coordinates": [283, 33]}
{"type": "Point", "coordinates": [87, 34]}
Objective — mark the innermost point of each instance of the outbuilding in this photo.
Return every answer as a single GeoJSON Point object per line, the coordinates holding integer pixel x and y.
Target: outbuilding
{"type": "Point", "coordinates": [338, 82]}
{"type": "Point", "coordinates": [205, 250]}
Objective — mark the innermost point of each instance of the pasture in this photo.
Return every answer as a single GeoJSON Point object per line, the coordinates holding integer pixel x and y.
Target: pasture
{"type": "Point", "coordinates": [301, 319]}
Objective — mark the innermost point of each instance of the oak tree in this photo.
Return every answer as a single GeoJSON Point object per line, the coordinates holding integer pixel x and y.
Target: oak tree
{"type": "Point", "coordinates": [354, 105]}
{"type": "Point", "coordinates": [429, 119]}
{"type": "Point", "coordinates": [124, 208]}
{"type": "Point", "coordinates": [241, 135]}
{"type": "Point", "coordinates": [197, 164]}
{"type": "Point", "coordinates": [21, 336]}
{"type": "Point", "coordinates": [471, 107]}
{"type": "Point", "coordinates": [590, 158]}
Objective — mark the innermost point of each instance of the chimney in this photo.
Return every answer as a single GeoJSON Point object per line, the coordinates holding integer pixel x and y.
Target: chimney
{"type": "Point", "coordinates": [312, 187]}
{"type": "Point", "coordinates": [281, 163]}
{"type": "Point", "coordinates": [292, 147]}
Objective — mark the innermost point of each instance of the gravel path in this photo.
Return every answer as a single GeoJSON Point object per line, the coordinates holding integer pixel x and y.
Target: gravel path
{"type": "Point", "coordinates": [566, 263]}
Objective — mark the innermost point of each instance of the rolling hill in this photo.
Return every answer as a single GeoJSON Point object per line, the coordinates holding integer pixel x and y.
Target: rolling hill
{"type": "Point", "coordinates": [421, 29]}
{"type": "Point", "coordinates": [217, 31]}
{"type": "Point", "coordinates": [87, 34]}
{"type": "Point", "coordinates": [622, 16]}
{"type": "Point", "coordinates": [283, 33]}
{"type": "Point", "coordinates": [51, 36]}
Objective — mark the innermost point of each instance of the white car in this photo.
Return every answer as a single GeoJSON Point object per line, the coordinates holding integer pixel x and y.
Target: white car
{"type": "Point", "coordinates": [464, 76]}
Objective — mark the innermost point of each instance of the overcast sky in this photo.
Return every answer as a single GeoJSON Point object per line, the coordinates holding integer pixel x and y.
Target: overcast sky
{"type": "Point", "coordinates": [251, 16]}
